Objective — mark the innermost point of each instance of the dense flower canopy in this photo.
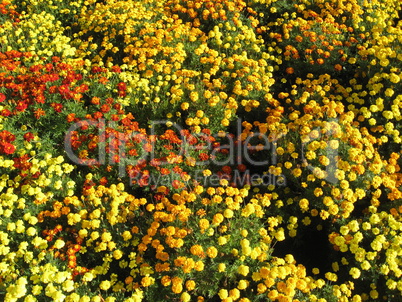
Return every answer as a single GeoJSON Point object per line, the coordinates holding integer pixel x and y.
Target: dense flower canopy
{"type": "Point", "coordinates": [200, 150]}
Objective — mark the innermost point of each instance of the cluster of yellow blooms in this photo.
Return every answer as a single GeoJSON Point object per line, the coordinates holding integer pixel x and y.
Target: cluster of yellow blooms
{"type": "Point", "coordinates": [38, 33]}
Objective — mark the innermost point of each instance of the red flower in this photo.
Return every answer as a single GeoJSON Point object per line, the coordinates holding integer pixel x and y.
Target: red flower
{"type": "Point", "coordinates": [241, 167]}
{"type": "Point", "coordinates": [39, 112]}
{"type": "Point", "coordinates": [7, 148]}
{"type": "Point", "coordinates": [115, 117]}
{"type": "Point", "coordinates": [28, 136]}
{"type": "Point", "coordinates": [103, 181]}
{"type": "Point", "coordinates": [143, 181]}
{"type": "Point", "coordinates": [22, 162]}
{"type": "Point", "coordinates": [5, 112]}
{"type": "Point", "coordinates": [165, 171]}
{"type": "Point", "coordinates": [57, 107]}
{"type": "Point", "coordinates": [122, 86]}
{"type": "Point", "coordinates": [116, 69]}
{"type": "Point", "coordinates": [177, 184]}
{"type": "Point", "coordinates": [22, 106]}
{"type": "Point", "coordinates": [2, 97]}
{"type": "Point", "coordinates": [36, 68]}
{"type": "Point", "coordinates": [122, 89]}
{"type": "Point", "coordinates": [96, 69]}
{"type": "Point", "coordinates": [7, 136]}
{"type": "Point", "coordinates": [70, 117]}
{"type": "Point", "coordinates": [98, 115]}
{"type": "Point", "coordinates": [203, 156]}
{"type": "Point", "coordinates": [65, 91]}
{"type": "Point", "coordinates": [103, 80]}
{"type": "Point", "coordinates": [105, 108]}
{"type": "Point", "coordinates": [40, 99]}
{"type": "Point", "coordinates": [52, 89]}
{"type": "Point", "coordinates": [147, 147]}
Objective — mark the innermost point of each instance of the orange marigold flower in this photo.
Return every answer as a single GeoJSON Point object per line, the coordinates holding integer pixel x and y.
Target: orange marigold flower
{"type": "Point", "coordinates": [290, 70]}
{"type": "Point", "coordinates": [197, 250]}
{"type": "Point", "coordinates": [338, 67]}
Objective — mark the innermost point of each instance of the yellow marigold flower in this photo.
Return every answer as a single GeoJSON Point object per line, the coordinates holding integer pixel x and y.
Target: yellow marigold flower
{"type": "Point", "coordinates": [117, 254]}
{"type": "Point", "coordinates": [248, 210]}
{"type": "Point", "coordinates": [225, 122]}
{"type": "Point", "coordinates": [207, 94]}
{"type": "Point", "coordinates": [280, 234]}
{"type": "Point", "coordinates": [166, 280]}
{"type": "Point", "coordinates": [228, 213]}
{"type": "Point", "coordinates": [203, 224]}
{"type": "Point", "coordinates": [217, 219]}
{"type": "Point", "coordinates": [199, 266]}
{"type": "Point", "coordinates": [374, 294]}
{"type": "Point", "coordinates": [212, 252]}
{"type": "Point", "coordinates": [222, 240]}
{"type": "Point", "coordinates": [234, 294]}
{"type": "Point", "coordinates": [376, 245]}
{"type": "Point", "coordinates": [297, 172]}
{"type": "Point", "coordinates": [126, 235]}
{"type": "Point", "coordinates": [59, 244]}
{"type": "Point", "coordinates": [331, 276]}
{"type": "Point", "coordinates": [324, 160]}
{"type": "Point", "coordinates": [184, 106]}
{"type": "Point", "coordinates": [318, 192]}
{"type": "Point", "coordinates": [106, 237]}
{"type": "Point", "coordinates": [391, 284]}
{"type": "Point", "coordinates": [190, 285]}
{"type": "Point", "coordinates": [147, 281]}
{"type": "Point", "coordinates": [223, 293]}
{"type": "Point", "coordinates": [105, 285]}
{"type": "Point", "coordinates": [273, 294]}
{"type": "Point", "coordinates": [197, 250]}
{"type": "Point", "coordinates": [194, 96]}
{"type": "Point", "coordinates": [177, 288]}
{"type": "Point", "coordinates": [354, 272]}
{"type": "Point", "coordinates": [306, 220]}
{"type": "Point", "coordinates": [185, 297]}
{"type": "Point", "coordinates": [206, 173]}
{"type": "Point", "coordinates": [261, 288]}
{"type": "Point", "coordinates": [304, 204]}
{"type": "Point", "coordinates": [384, 269]}
{"type": "Point", "coordinates": [389, 92]}
{"type": "Point", "coordinates": [365, 265]}
{"type": "Point", "coordinates": [243, 270]}
{"type": "Point", "coordinates": [334, 144]}
{"type": "Point", "coordinates": [243, 284]}
{"type": "Point", "coordinates": [221, 267]}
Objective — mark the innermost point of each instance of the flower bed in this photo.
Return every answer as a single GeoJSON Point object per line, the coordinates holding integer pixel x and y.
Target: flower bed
{"type": "Point", "coordinates": [200, 150]}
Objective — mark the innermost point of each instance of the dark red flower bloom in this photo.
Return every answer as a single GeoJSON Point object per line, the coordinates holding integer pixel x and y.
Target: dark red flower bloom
{"type": "Point", "coordinates": [7, 136]}
{"type": "Point", "coordinates": [116, 69]}
{"type": "Point", "coordinates": [5, 112]}
{"type": "Point", "coordinates": [57, 107]}
{"type": "Point", "coordinates": [122, 86]}
{"type": "Point", "coordinates": [7, 148]}
{"type": "Point", "coordinates": [28, 136]}
{"type": "Point", "coordinates": [103, 181]}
